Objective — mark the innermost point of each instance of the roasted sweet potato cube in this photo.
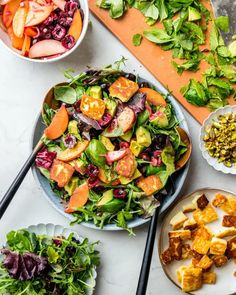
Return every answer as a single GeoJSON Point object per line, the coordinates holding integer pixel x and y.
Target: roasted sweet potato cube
{"type": "Point", "coordinates": [61, 172]}
{"type": "Point", "coordinates": [219, 260]}
{"type": "Point", "coordinates": [150, 184]}
{"type": "Point", "coordinates": [229, 221]}
{"type": "Point", "coordinates": [166, 257]}
{"type": "Point", "coordinates": [207, 215]}
{"type": "Point", "coordinates": [175, 246]}
{"type": "Point", "coordinates": [123, 89]}
{"type": "Point", "coordinates": [209, 277]}
{"type": "Point", "coordinates": [205, 262]}
{"type": "Point", "coordinates": [218, 246]}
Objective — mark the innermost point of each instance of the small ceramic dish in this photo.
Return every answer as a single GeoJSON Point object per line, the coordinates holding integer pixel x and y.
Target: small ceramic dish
{"type": "Point", "coordinates": [225, 279]}
{"type": "Point", "coordinates": [210, 160]}
{"type": "Point", "coordinates": [6, 41]}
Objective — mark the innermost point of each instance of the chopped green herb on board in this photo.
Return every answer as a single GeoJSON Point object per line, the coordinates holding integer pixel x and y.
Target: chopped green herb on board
{"type": "Point", "coordinates": [137, 39]}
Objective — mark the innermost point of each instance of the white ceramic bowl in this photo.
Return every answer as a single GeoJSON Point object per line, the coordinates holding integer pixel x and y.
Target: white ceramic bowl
{"type": "Point", "coordinates": [6, 42]}
{"type": "Point", "coordinates": [210, 160]}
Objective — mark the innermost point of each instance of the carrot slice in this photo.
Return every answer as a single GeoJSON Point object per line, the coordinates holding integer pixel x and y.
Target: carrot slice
{"type": "Point", "coordinates": [26, 45]}
{"type": "Point", "coordinates": [76, 26]}
{"type": "Point", "coordinates": [58, 125]}
{"type": "Point", "coordinates": [31, 31]}
{"type": "Point", "coordinates": [79, 198]}
{"type": "Point", "coordinates": [153, 96]}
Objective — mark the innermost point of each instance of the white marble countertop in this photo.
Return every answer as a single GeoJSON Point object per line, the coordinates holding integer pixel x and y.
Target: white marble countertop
{"type": "Point", "coordinates": [23, 85]}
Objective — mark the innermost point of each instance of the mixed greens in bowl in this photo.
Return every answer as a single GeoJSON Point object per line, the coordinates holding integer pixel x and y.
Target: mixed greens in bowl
{"type": "Point", "coordinates": [111, 143]}
{"type": "Point", "coordinates": [35, 261]}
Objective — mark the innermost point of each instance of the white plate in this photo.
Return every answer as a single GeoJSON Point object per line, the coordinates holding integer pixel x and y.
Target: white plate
{"type": "Point", "coordinates": [58, 230]}
{"type": "Point", "coordinates": [225, 281]}
{"type": "Point", "coordinates": [210, 160]}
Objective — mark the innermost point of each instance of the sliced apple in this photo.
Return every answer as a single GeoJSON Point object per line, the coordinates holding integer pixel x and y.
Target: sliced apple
{"type": "Point", "coordinates": [76, 26]}
{"type": "Point", "coordinates": [9, 12]}
{"type": "Point", "coordinates": [37, 14]}
{"type": "Point", "coordinates": [46, 48]}
{"type": "Point", "coordinates": [18, 23]}
{"type": "Point", "coordinates": [4, 2]}
{"type": "Point", "coordinates": [59, 3]}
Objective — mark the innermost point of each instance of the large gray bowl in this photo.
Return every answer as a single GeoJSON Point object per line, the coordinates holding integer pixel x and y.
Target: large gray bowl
{"type": "Point", "coordinates": [178, 177]}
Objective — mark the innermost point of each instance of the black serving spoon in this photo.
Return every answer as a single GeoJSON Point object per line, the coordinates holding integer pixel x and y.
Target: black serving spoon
{"type": "Point", "coordinates": [7, 198]}
{"type": "Point", "coordinates": [169, 190]}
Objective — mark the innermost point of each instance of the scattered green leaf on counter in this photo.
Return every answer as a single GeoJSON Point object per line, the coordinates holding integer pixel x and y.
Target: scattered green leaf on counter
{"type": "Point", "coordinates": [190, 65]}
{"type": "Point", "coordinates": [65, 94]}
{"type": "Point", "coordinates": [194, 93]}
{"type": "Point", "coordinates": [158, 36]}
{"type": "Point", "coordinates": [137, 39]}
{"type": "Point", "coordinates": [222, 23]}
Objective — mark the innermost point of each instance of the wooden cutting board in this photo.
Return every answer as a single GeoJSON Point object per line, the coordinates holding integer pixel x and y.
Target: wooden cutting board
{"type": "Point", "coordinates": [157, 61]}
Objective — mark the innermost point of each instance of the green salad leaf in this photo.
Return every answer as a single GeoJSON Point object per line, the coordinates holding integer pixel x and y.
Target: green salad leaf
{"type": "Point", "coordinates": [65, 94]}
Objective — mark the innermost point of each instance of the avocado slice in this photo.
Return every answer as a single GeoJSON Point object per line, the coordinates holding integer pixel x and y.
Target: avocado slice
{"type": "Point", "coordinates": [143, 136]}
{"type": "Point", "coordinates": [96, 92]}
{"type": "Point", "coordinates": [80, 167]}
{"type": "Point", "coordinates": [113, 206]}
{"type": "Point", "coordinates": [110, 106]}
{"type": "Point", "coordinates": [127, 136]}
{"type": "Point", "coordinates": [126, 180]}
{"type": "Point", "coordinates": [159, 119]}
{"type": "Point", "coordinates": [135, 148]}
{"type": "Point", "coordinates": [73, 127]}
{"type": "Point", "coordinates": [72, 185]}
{"type": "Point", "coordinates": [193, 14]}
{"type": "Point", "coordinates": [107, 143]}
{"type": "Point", "coordinates": [106, 197]}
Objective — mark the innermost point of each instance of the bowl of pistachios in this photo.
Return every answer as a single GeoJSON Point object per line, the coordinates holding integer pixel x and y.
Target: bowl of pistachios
{"type": "Point", "coordinates": [218, 139]}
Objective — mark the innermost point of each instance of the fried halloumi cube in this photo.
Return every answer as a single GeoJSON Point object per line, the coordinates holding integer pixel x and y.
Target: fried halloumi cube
{"type": "Point", "coordinates": [190, 224]}
{"type": "Point", "coordinates": [202, 231]}
{"type": "Point", "coordinates": [209, 277]}
{"type": "Point", "coordinates": [175, 245]}
{"type": "Point", "coordinates": [231, 248]}
{"type": "Point", "coordinates": [231, 231]}
{"type": "Point", "coordinates": [201, 245]}
{"type": "Point", "coordinates": [178, 220]}
{"type": "Point", "coordinates": [180, 273]}
{"type": "Point", "coordinates": [227, 204]}
{"type": "Point", "coordinates": [186, 250]}
{"type": "Point", "coordinates": [123, 89]}
{"type": "Point", "coordinates": [218, 246]}
{"type": "Point", "coordinates": [190, 207]}
{"type": "Point", "coordinates": [205, 262]}
{"type": "Point", "coordinates": [183, 234]}
{"type": "Point", "coordinates": [207, 215]}
{"type": "Point", "coordinates": [200, 202]}
{"type": "Point", "coordinates": [219, 260]}
{"type": "Point", "coordinates": [166, 257]}
{"type": "Point", "coordinates": [191, 279]}
{"type": "Point", "coordinates": [229, 221]}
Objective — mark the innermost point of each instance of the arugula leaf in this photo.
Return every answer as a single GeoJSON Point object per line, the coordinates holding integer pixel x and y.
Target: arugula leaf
{"type": "Point", "coordinates": [137, 39]}
{"type": "Point", "coordinates": [65, 94]}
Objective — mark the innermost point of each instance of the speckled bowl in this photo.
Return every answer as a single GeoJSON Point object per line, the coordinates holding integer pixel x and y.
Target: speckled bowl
{"type": "Point", "coordinates": [210, 160]}
{"type": "Point", "coordinates": [178, 178]}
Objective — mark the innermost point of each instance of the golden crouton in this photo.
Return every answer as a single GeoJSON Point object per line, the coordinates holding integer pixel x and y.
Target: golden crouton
{"type": "Point", "coordinates": [231, 231]}
{"type": "Point", "coordinates": [200, 202]}
{"type": "Point", "coordinates": [219, 260]}
{"type": "Point", "coordinates": [190, 207]}
{"type": "Point", "coordinates": [207, 215]}
{"type": "Point", "coordinates": [229, 221]}
{"type": "Point", "coordinates": [205, 262]}
{"type": "Point", "coordinates": [166, 257]}
{"type": "Point", "coordinates": [183, 234]}
{"type": "Point", "coordinates": [209, 277]}
{"type": "Point", "coordinates": [175, 245]}
{"type": "Point", "coordinates": [123, 89]}
{"type": "Point", "coordinates": [191, 279]}
{"type": "Point", "coordinates": [186, 249]}
{"type": "Point", "coordinates": [178, 220]}
{"type": "Point", "coordinates": [190, 224]}
{"type": "Point", "coordinates": [218, 246]}
{"type": "Point", "coordinates": [227, 204]}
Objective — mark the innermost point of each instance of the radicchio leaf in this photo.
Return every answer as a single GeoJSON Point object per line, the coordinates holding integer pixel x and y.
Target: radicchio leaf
{"type": "Point", "coordinates": [69, 141]}
{"type": "Point", "coordinates": [137, 102]}
{"type": "Point", "coordinates": [45, 158]}
{"type": "Point", "coordinates": [23, 266]}
{"type": "Point", "coordinates": [81, 118]}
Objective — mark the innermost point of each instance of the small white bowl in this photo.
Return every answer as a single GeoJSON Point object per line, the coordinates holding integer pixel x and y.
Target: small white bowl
{"type": "Point", "coordinates": [6, 42]}
{"type": "Point", "coordinates": [210, 160]}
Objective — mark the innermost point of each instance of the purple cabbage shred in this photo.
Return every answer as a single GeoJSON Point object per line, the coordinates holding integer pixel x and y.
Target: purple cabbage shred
{"type": "Point", "coordinates": [45, 158]}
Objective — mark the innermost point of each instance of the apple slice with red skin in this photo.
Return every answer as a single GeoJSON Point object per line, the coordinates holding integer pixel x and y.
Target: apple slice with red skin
{"type": "Point", "coordinates": [46, 48]}
{"type": "Point", "coordinates": [59, 3]}
{"type": "Point", "coordinates": [126, 119]}
{"type": "Point", "coordinates": [19, 19]}
{"type": "Point", "coordinates": [4, 2]}
{"type": "Point", "coordinates": [115, 155]}
{"type": "Point", "coordinates": [37, 13]}
{"type": "Point", "coordinates": [9, 11]}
